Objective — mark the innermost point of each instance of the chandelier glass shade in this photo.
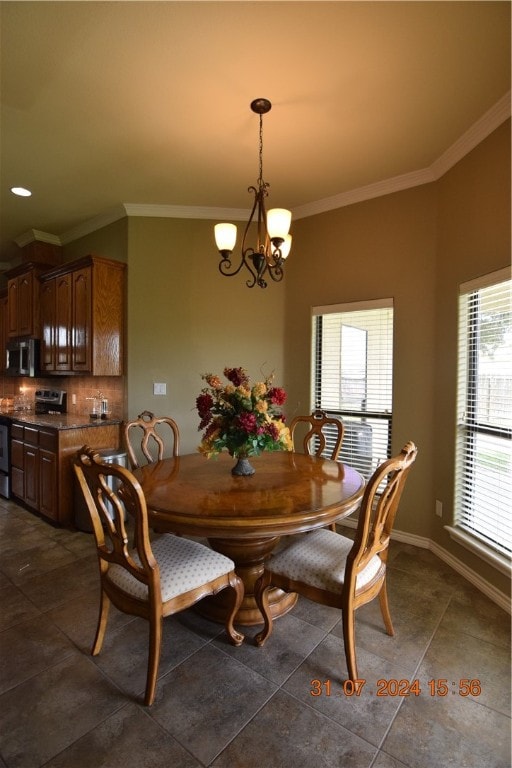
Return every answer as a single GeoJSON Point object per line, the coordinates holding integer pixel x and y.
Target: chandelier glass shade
{"type": "Point", "coordinates": [273, 242]}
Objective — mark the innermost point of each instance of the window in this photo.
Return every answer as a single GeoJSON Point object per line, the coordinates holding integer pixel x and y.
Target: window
{"type": "Point", "coordinates": [352, 362]}
{"type": "Point", "coordinates": [484, 413]}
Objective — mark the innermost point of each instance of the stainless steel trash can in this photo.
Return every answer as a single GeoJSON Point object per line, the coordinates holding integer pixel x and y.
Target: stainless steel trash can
{"type": "Point", "coordinates": [82, 518]}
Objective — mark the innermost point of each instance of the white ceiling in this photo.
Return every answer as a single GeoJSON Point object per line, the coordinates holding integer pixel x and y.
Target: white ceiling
{"type": "Point", "coordinates": [147, 103]}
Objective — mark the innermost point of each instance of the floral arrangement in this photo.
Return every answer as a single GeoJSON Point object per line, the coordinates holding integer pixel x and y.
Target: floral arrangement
{"type": "Point", "coordinates": [244, 419]}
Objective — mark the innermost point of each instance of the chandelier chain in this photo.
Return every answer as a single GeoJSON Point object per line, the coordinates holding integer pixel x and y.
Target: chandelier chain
{"type": "Point", "coordinates": [260, 180]}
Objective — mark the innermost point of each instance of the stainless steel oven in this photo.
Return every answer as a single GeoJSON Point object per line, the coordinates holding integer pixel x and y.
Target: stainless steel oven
{"type": "Point", "coordinates": [51, 401]}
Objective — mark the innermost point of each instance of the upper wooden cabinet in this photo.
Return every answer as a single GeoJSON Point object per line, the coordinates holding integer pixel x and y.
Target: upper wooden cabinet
{"type": "Point", "coordinates": [82, 317]}
{"type": "Point", "coordinates": [23, 300]}
{"type": "Point", "coordinates": [3, 330]}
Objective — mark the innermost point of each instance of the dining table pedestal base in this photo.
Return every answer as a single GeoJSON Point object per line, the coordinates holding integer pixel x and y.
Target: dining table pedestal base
{"type": "Point", "coordinates": [249, 555]}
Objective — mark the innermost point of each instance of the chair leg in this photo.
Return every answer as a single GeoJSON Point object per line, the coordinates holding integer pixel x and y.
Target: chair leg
{"type": "Point", "coordinates": [384, 608]}
{"type": "Point", "coordinates": [261, 596]}
{"type": "Point", "coordinates": [102, 623]}
{"type": "Point", "coordinates": [237, 595]}
{"type": "Point", "coordinates": [349, 639]}
{"type": "Point", "coordinates": [155, 646]}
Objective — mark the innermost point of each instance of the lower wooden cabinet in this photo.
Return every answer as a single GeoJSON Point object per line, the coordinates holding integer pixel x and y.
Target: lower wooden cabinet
{"type": "Point", "coordinates": [42, 474]}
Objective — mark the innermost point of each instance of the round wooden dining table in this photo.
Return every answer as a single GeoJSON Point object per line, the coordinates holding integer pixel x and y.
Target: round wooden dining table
{"type": "Point", "coordinates": [244, 517]}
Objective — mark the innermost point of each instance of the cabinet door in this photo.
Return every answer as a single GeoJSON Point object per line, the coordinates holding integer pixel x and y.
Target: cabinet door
{"type": "Point", "coordinates": [4, 320]}
{"type": "Point", "coordinates": [82, 321]}
{"type": "Point", "coordinates": [12, 304]}
{"type": "Point", "coordinates": [48, 505]}
{"type": "Point", "coordinates": [49, 326]}
{"type": "Point", "coordinates": [23, 304]}
{"type": "Point", "coordinates": [31, 475]}
{"type": "Point", "coordinates": [17, 473]}
{"type": "Point", "coordinates": [63, 320]}
{"type": "Point", "coordinates": [26, 304]}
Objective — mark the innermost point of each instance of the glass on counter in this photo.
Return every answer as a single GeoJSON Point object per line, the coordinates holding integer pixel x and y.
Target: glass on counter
{"type": "Point", "coordinates": [22, 403]}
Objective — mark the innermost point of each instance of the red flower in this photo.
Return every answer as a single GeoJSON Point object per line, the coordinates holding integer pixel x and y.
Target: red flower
{"type": "Point", "coordinates": [277, 396]}
{"type": "Point", "coordinates": [248, 422]}
{"type": "Point", "coordinates": [204, 405]}
{"type": "Point", "coordinates": [236, 376]}
{"type": "Point", "coordinates": [273, 431]}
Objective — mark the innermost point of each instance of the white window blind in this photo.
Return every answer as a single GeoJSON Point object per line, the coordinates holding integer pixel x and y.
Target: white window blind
{"type": "Point", "coordinates": [352, 367]}
{"type": "Point", "coordinates": [483, 490]}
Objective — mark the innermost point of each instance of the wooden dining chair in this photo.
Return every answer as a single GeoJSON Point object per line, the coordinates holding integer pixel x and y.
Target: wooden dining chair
{"type": "Point", "coordinates": [320, 428]}
{"type": "Point", "coordinates": [317, 430]}
{"type": "Point", "coordinates": [333, 570]}
{"type": "Point", "coordinates": [152, 580]}
{"type": "Point", "coordinates": [153, 435]}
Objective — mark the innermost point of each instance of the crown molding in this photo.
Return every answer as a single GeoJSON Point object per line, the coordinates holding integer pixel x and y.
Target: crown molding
{"type": "Point", "coordinates": [479, 131]}
{"type": "Point", "coordinates": [103, 220]}
{"type": "Point", "coordinates": [185, 212]}
{"type": "Point", "coordinates": [491, 120]}
{"type": "Point", "coordinates": [380, 188]}
{"type": "Point", "coordinates": [34, 235]}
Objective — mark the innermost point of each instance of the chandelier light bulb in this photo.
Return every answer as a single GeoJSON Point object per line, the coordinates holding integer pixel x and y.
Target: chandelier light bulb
{"type": "Point", "coordinates": [285, 247]}
{"type": "Point", "coordinates": [225, 237]}
{"type": "Point", "coordinates": [278, 222]}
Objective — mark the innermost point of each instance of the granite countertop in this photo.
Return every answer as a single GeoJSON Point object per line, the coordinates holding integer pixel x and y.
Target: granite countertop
{"type": "Point", "coordinates": [57, 421]}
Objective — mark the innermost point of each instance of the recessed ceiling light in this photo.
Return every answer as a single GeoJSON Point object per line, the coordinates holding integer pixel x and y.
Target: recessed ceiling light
{"type": "Point", "coordinates": [21, 191]}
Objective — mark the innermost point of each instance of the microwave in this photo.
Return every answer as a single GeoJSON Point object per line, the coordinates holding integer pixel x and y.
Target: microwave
{"type": "Point", "coordinates": [22, 357]}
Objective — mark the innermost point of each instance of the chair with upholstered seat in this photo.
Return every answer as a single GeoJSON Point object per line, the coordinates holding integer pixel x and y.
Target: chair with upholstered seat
{"type": "Point", "coordinates": [331, 569]}
{"type": "Point", "coordinates": [154, 434]}
{"type": "Point", "coordinates": [152, 580]}
{"type": "Point", "coordinates": [319, 432]}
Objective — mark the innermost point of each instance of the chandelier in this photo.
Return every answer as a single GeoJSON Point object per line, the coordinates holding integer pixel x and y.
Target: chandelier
{"type": "Point", "coordinates": [273, 243]}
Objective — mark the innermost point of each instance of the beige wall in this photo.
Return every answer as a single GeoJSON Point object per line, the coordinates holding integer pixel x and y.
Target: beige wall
{"type": "Point", "coordinates": [381, 248]}
{"type": "Point", "coordinates": [186, 319]}
{"type": "Point", "coordinates": [110, 241]}
{"type": "Point", "coordinates": [416, 246]}
{"type": "Point", "coordinates": [474, 239]}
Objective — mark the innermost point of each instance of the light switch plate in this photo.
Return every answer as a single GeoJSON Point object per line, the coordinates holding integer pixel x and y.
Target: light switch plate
{"type": "Point", "coordinates": [159, 388]}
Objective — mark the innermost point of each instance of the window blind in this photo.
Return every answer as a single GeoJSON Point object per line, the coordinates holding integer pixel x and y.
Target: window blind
{"type": "Point", "coordinates": [483, 487]}
{"type": "Point", "coordinates": [352, 377]}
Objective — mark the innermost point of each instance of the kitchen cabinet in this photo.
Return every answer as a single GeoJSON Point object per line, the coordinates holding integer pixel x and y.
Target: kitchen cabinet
{"type": "Point", "coordinates": [34, 468]}
{"type": "Point", "coordinates": [56, 323]}
{"type": "Point", "coordinates": [42, 475]}
{"type": "Point", "coordinates": [3, 330]}
{"type": "Point", "coordinates": [83, 318]}
{"type": "Point", "coordinates": [23, 300]}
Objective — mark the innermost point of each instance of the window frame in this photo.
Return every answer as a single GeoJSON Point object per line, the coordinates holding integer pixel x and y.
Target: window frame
{"type": "Point", "coordinates": [353, 415]}
{"type": "Point", "coordinates": [469, 424]}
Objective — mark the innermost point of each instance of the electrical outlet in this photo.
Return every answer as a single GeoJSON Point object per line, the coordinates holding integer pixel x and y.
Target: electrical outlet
{"type": "Point", "coordinates": [439, 508]}
{"type": "Point", "coordinates": [159, 388]}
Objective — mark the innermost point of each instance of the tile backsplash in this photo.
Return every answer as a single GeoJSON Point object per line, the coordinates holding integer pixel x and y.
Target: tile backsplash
{"type": "Point", "coordinates": [113, 388]}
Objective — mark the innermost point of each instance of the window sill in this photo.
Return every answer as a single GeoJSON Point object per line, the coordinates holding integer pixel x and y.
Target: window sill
{"type": "Point", "coordinates": [500, 562]}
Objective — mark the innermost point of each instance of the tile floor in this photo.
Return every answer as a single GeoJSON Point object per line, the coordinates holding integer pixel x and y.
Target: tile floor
{"type": "Point", "coordinates": [243, 707]}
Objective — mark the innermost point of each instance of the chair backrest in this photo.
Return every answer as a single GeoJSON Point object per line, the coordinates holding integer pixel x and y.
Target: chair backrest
{"type": "Point", "coordinates": [321, 427]}
{"type": "Point", "coordinates": [378, 510]}
{"type": "Point", "coordinates": [109, 490]}
{"type": "Point", "coordinates": [151, 433]}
